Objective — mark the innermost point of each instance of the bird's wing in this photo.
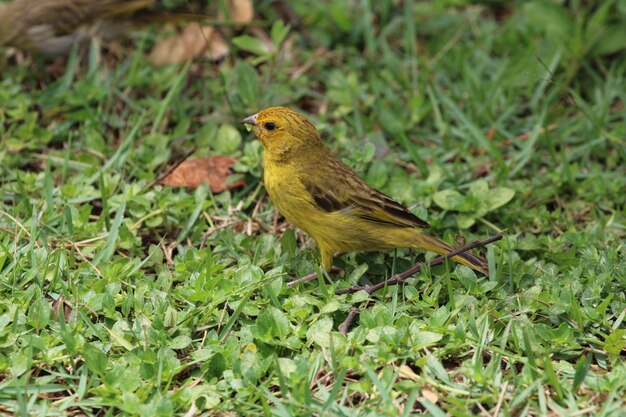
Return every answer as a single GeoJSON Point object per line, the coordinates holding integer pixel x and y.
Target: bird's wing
{"type": "Point", "coordinates": [339, 189]}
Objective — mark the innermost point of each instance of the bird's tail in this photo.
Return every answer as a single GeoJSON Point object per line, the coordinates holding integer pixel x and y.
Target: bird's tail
{"type": "Point", "coordinates": [432, 244]}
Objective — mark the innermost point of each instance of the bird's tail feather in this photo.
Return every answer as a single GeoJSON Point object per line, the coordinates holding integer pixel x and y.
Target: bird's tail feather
{"type": "Point", "coordinates": [432, 244]}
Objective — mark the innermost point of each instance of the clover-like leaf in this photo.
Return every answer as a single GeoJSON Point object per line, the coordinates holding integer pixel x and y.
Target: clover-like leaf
{"type": "Point", "coordinates": [449, 199]}
{"type": "Point", "coordinates": [499, 197]}
{"type": "Point", "coordinates": [478, 201]}
{"type": "Point", "coordinates": [465, 221]}
{"type": "Point", "coordinates": [319, 332]}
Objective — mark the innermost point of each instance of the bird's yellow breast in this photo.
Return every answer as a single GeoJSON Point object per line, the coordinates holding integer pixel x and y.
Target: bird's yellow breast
{"type": "Point", "coordinates": [285, 188]}
{"type": "Point", "coordinates": [333, 231]}
{"type": "Point", "coordinates": [288, 193]}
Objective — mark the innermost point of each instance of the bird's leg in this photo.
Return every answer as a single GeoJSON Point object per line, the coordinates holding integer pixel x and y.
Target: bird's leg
{"type": "Point", "coordinates": [327, 259]}
{"type": "Point", "coordinates": [327, 264]}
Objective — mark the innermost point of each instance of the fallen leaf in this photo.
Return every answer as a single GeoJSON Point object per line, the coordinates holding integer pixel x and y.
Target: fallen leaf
{"type": "Point", "coordinates": [241, 11]}
{"type": "Point", "coordinates": [430, 395]}
{"type": "Point", "coordinates": [193, 41]}
{"type": "Point", "coordinates": [212, 170]}
{"type": "Point", "coordinates": [197, 40]}
{"type": "Point", "coordinates": [405, 372]}
{"type": "Point", "coordinates": [60, 305]}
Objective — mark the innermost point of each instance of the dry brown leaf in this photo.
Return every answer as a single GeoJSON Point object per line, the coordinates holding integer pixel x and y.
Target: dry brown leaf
{"type": "Point", "coordinates": [241, 11]}
{"type": "Point", "coordinates": [196, 40]}
{"type": "Point", "coordinates": [59, 305]}
{"type": "Point", "coordinates": [193, 41]}
{"type": "Point", "coordinates": [405, 372]}
{"type": "Point", "coordinates": [212, 170]}
{"type": "Point", "coordinates": [430, 395]}
{"type": "Point", "coordinates": [217, 48]}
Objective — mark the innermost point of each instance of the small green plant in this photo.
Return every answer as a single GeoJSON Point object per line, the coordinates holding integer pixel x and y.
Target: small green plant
{"type": "Point", "coordinates": [478, 202]}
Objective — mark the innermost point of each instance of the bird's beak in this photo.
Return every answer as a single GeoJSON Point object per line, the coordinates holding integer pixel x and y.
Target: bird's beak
{"type": "Point", "coordinates": [250, 120]}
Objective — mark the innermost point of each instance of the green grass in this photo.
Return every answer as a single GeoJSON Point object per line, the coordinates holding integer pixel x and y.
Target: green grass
{"type": "Point", "coordinates": [122, 298]}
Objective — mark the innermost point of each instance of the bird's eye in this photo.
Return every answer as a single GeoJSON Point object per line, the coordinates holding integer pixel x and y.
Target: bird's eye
{"type": "Point", "coordinates": [270, 125]}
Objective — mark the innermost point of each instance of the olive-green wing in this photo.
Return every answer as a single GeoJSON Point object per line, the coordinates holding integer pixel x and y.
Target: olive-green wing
{"type": "Point", "coordinates": [339, 189]}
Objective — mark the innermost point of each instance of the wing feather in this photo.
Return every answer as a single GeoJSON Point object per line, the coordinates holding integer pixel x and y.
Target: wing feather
{"type": "Point", "coordinates": [351, 195]}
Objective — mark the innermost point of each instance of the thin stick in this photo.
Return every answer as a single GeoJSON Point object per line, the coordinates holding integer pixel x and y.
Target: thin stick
{"type": "Point", "coordinates": [500, 399]}
{"type": "Point", "coordinates": [343, 327]}
{"type": "Point", "coordinates": [171, 169]}
{"type": "Point", "coordinates": [300, 280]}
{"type": "Point", "coordinates": [401, 277]}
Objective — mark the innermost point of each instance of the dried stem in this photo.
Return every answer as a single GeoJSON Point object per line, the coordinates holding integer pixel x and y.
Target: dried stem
{"type": "Point", "coordinates": [401, 277]}
{"type": "Point", "coordinates": [345, 326]}
{"type": "Point", "coordinates": [306, 278]}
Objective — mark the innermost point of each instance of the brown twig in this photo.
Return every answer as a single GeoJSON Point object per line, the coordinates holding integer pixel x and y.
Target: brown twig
{"type": "Point", "coordinates": [172, 168]}
{"type": "Point", "coordinates": [400, 278]}
{"type": "Point", "coordinates": [306, 278]}
{"type": "Point", "coordinates": [343, 327]}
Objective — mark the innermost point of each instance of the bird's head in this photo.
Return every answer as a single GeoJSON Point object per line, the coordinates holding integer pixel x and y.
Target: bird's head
{"type": "Point", "coordinates": [283, 131]}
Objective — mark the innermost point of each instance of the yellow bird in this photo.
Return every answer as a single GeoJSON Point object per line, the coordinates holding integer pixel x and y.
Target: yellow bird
{"type": "Point", "coordinates": [321, 195]}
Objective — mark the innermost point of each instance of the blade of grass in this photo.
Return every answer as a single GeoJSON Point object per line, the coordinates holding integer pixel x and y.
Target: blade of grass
{"type": "Point", "coordinates": [173, 92]}
{"type": "Point", "coordinates": [120, 155]}
{"type": "Point", "coordinates": [109, 245]}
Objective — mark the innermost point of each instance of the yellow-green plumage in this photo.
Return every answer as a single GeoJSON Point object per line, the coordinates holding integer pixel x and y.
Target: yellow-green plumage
{"type": "Point", "coordinates": [318, 193]}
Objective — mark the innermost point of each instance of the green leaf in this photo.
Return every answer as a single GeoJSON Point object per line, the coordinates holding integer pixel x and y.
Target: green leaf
{"type": "Point", "coordinates": [615, 342]}
{"type": "Point", "coordinates": [465, 221]}
{"type": "Point", "coordinates": [288, 243]}
{"type": "Point", "coordinates": [467, 277]}
{"type": "Point", "coordinates": [433, 409]}
{"type": "Point", "coordinates": [216, 366]}
{"type": "Point", "coordinates": [479, 190]}
{"type": "Point", "coordinates": [180, 342]}
{"type": "Point", "coordinates": [551, 376]}
{"type": "Point", "coordinates": [340, 15]}
{"type": "Point", "coordinates": [251, 44]}
{"type": "Point", "coordinates": [247, 83]}
{"type": "Point", "coordinates": [499, 197]}
{"type": "Point", "coordinates": [319, 332]}
{"type": "Point", "coordinates": [271, 326]}
{"type": "Point", "coordinates": [250, 366]}
{"type": "Point", "coordinates": [422, 339]}
{"type": "Point", "coordinates": [109, 246]}
{"type": "Point", "coordinates": [227, 140]}
{"type": "Point", "coordinates": [581, 370]}
{"type": "Point", "coordinates": [549, 17]}
{"type": "Point", "coordinates": [279, 32]}
{"type": "Point", "coordinates": [449, 199]}
{"type": "Point", "coordinates": [94, 358]}
{"type": "Point", "coordinates": [435, 367]}
{"type": "Point", "coordinates": [612, 40]}
{"type": "Point", "coordinates": [39, 314]}
{"type": "Point", "coordinates": [368, 151]}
